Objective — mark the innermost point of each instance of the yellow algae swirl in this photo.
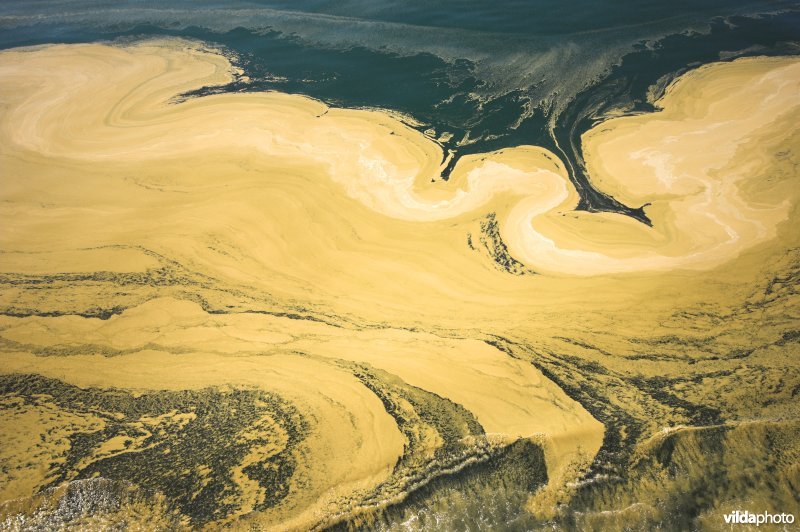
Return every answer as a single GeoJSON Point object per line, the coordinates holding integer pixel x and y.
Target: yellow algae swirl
{"type": "Point", "coordinates": [692, 164]}
{"type": "Point", "coordinates": [689, 164]}
{"type": "Point", "coordinates": [323, 437]}
{"type": "Point", "coordinates": [306, 267]}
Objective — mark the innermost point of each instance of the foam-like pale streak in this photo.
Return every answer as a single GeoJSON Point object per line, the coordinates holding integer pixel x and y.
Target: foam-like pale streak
{"type": "Point", "coordinates": [281, 195]}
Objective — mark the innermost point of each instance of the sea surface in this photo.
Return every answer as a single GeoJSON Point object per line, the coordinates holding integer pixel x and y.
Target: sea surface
{"type": "Point", "coordinates": [477, 76]}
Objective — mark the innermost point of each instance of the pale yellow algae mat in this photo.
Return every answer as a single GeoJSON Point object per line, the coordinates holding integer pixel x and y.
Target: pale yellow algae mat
{"type": "Point", "coordinates": [254, 309]}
